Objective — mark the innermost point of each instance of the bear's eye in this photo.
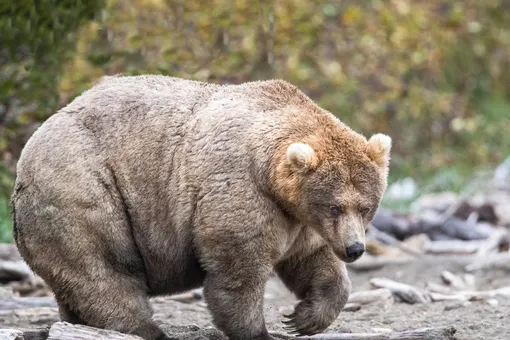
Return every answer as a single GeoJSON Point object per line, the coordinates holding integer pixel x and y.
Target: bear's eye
{"type": "Point", "coordinates": [365, 211]}
{"type": "Point", "coordinates": [335, 210]}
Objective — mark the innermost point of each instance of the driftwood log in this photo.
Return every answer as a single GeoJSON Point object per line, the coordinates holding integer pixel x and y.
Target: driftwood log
{"type": "Point", "coordinates": [388, 222]}
{"type": "Point", "coordinates": [371, 296]}
{"type": "Point", "coordinates": [457, 282]}
{"type": "Point", "coordinates": [24, 334]}
{"type": "Point", "coordinates": [438, 288]}
{"type": "Point", "coordinates": [444, 227]}
{"type": "Point", "coordinates": [352, 307]}
{"type": "Point", "coordinates": [497, 261]}
{"type": "Point", "coordinates": [405, 292]}
{"type": "Point", "coordinates": [444, 247]}
{"type": "Point", "coordinates": [439, 333]}
{"type": "Point", "coordinates": [14, 271]}
{"type": "Point", "coordinates": [392, 241]}
{"type": "Point", "coordinates": [447, 297]}
{"type": "Point", "coordinates": [472, 295]}
{"type": "Point", "coordinates": [369, 263]}
{"type": "Point", "coordinates": [9, 301]}
{"type": "Point", "coordinates": [487, 294]}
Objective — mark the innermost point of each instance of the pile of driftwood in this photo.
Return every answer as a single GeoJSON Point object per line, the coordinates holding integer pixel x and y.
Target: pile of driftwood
{"type": "Point", "coordinates": [476, 222]}
{"type": "Point", "coordinates": [452, 288]}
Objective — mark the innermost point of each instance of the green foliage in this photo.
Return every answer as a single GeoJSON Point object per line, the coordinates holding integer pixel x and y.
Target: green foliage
{"type": "Point", "coordinates": [37, 39]}
{"type": "Point", "coordinates": [6, 184]}
{"type": "Point", "coordinates": [5, 221]}
{"type": "Point", "coordinates": [431, 74]}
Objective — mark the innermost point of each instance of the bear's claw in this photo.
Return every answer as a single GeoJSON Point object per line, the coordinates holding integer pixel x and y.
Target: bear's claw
{"type": "Point", "coordinates": [304, 320]}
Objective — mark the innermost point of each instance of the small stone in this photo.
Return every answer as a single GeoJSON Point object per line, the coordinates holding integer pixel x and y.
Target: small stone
{"type": "Point", "coordinates": [198, 293]}
{"type": "Point", "coordinates": [381, 330]}
{"type": "Point", "coordinates": [492, 302]}
{"type": "Point", "coordinates": [352, 307]}
{"type": "Point", "coordinates": [456, 305]}
{"type": "Point", "coordinates": [269, 296]}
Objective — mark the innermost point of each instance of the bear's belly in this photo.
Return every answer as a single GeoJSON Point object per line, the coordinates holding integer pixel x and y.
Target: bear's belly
{"type": "Point", "coordinates": [173, 272]}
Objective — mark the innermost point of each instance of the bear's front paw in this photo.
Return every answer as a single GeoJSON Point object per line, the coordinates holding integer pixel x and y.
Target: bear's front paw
{"type": "Point", "coordinates": [310, 318]}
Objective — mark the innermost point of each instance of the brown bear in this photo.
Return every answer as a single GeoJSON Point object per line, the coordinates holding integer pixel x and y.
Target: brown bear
{"type": "Point", "coordinates": [150, 185]}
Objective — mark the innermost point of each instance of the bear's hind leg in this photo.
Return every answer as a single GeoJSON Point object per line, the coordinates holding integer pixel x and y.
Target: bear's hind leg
{"type": "Point", "coordinates": [68, 315]}
{"type": "Point", "coordinates": [111, 302]}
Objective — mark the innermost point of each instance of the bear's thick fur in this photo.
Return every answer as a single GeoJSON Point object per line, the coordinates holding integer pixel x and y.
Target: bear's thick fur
{"type": "Point", "coordinates": [154, 185]}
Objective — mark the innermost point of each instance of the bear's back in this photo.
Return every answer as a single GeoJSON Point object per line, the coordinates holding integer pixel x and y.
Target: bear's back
{"type": "Point", "coordinates": [131, 94]}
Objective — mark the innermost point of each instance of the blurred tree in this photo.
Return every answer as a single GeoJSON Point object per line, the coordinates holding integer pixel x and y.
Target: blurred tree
{"type": "Point", "coordinates": [432, 74]}
{"type": "Point", "coordinates": [38, 37]}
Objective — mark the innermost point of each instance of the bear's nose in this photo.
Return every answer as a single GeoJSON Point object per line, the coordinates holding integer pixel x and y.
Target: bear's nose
{"type": "Point", "coordinates": [355, 251]}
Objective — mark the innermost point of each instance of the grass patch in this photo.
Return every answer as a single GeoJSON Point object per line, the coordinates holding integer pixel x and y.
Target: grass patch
{"type": "Point", "coordinates": [5, 220]}
{"type": "Point", "coordinates": [6, 185]}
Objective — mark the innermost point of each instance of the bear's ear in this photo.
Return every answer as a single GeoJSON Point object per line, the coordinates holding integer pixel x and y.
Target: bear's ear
{"type": "Point", "coordinates": [379, 147]}
{"type": "Point", "coordinates": [301, 156]}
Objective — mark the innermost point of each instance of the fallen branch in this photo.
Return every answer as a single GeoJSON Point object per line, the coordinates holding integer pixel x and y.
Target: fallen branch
{"type": "Point", "coordinates": [403, 291]}
{"type": "Point", "coordinates": [439, 333]}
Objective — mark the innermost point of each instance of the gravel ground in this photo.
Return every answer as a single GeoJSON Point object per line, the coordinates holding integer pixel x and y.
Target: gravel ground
{"type": "Point", "coordinates": [477, 320]}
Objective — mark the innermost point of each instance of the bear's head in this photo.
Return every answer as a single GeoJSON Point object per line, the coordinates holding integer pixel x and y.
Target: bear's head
{"type": "Point", "coordinates": [334, 184]}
